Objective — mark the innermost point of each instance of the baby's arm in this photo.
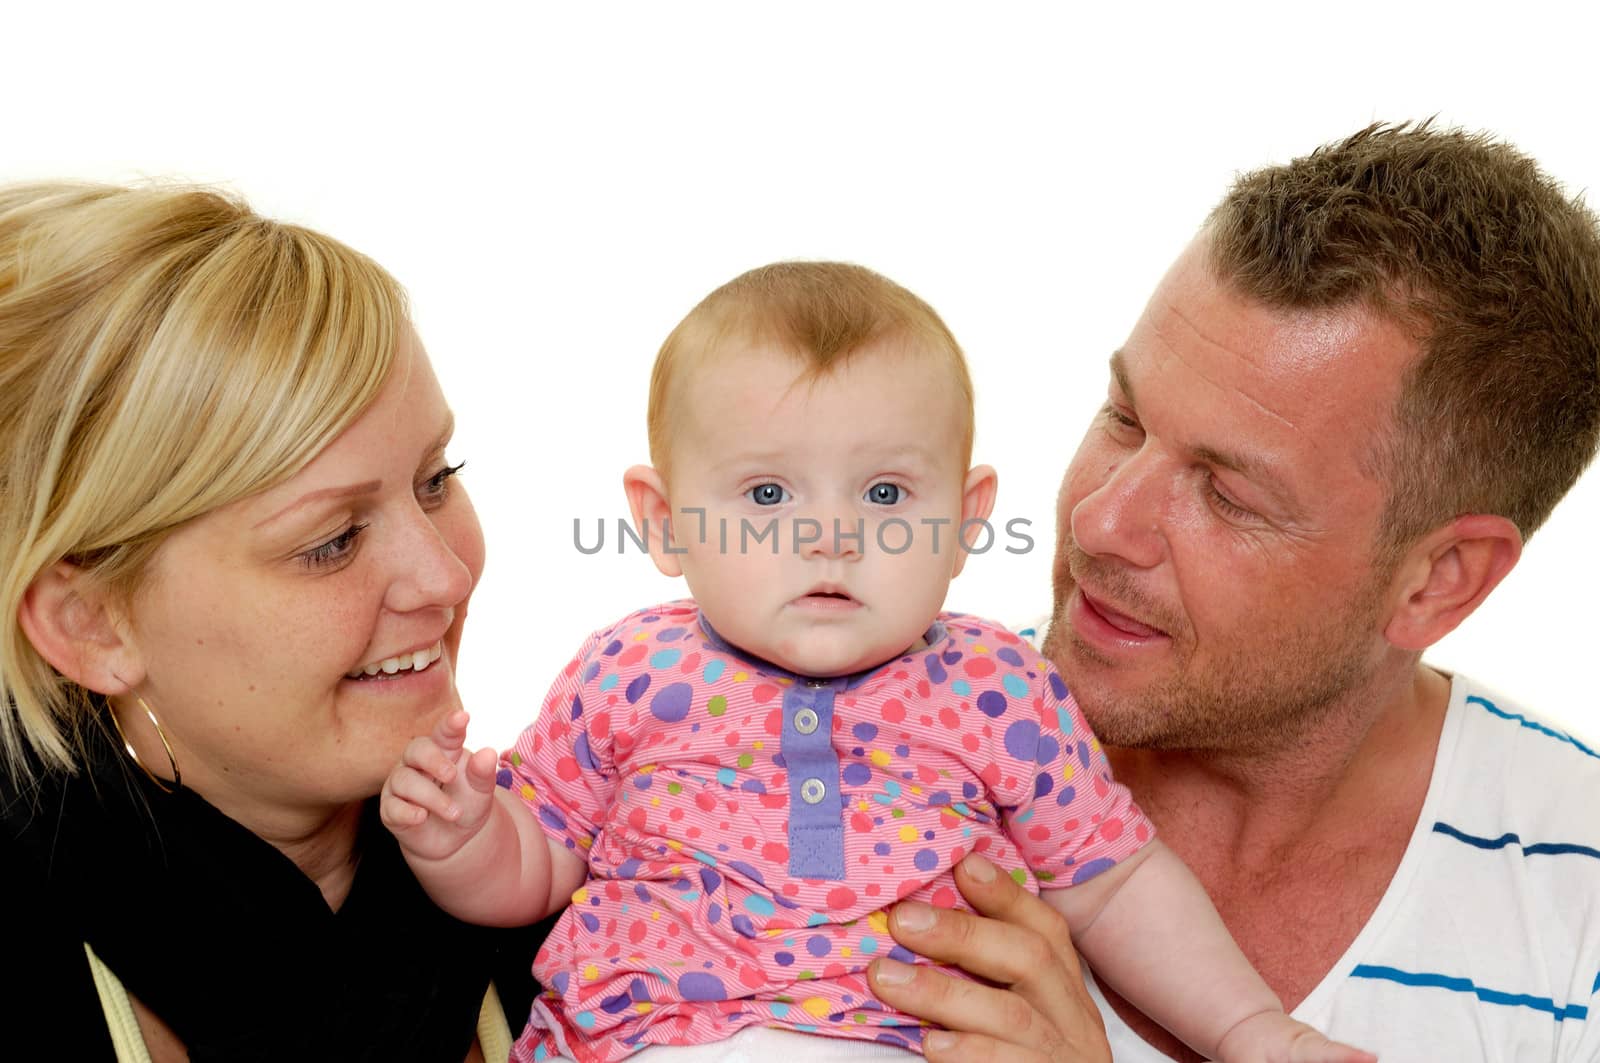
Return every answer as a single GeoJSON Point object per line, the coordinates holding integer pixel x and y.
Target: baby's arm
{"type": "Point", "coordinates": [475, 847]}
{"type": "Point", "coordinates": [1148, 928]}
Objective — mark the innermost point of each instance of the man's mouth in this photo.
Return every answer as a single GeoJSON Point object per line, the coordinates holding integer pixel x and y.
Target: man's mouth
{"type": "Point", "coordinates": [403, 663]}
{"type": "Point", "coordinates": [1120, 621]}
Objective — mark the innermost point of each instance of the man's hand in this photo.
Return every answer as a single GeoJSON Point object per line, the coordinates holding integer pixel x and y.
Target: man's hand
{"type": "Point", "coordinates": [439, 797]}
{"type": "Point", "coordinates": [1038, 1010]}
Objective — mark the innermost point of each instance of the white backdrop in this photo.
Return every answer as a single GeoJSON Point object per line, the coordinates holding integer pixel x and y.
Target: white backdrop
{"type": "Point", "coordinates": [557, 184]}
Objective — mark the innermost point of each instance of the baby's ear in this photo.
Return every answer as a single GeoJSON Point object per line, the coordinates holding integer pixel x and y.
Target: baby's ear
{"type": "Point", "coordinates": [74, 624]}
{"type": "Point", "coordinates": [652, 516]}
{"type": "Point", "coordinates": [977, 502]}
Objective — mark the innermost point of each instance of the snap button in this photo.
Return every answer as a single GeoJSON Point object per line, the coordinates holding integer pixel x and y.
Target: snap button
{"type": "Point", "coordinates": [812, 791]}
{"type": "Point", "coordinates": [805, 721]}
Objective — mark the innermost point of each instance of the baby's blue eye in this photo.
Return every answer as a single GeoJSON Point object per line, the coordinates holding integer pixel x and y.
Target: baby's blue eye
{"type": "Point", "coordinates": [884, 494]}
{"type": "Point", "coordinates": [767, 495]}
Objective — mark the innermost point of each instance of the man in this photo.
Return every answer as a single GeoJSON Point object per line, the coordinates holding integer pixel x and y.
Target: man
{"type": "Point", "coordinates": [1346, 407]}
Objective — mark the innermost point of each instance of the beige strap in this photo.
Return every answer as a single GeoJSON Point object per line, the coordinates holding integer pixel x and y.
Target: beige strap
{"type": "Point", "coordinates": [494, 1034]}
{"type": "Point", "coordinates": [126, 1037]}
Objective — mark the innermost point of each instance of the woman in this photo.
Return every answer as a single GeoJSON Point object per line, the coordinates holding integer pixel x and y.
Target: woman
{"type": "Point", "coordinates": [236, 571]}
{"type": "Point", "coordinates": [236, 568]}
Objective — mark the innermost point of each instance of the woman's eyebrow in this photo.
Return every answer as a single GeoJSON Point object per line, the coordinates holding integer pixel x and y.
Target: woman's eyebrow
{"type": "Point", "coordinates": [366, 487]}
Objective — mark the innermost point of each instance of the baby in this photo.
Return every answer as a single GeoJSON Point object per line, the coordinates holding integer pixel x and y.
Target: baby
{"type": "Point", "coordinates": [732, 790]}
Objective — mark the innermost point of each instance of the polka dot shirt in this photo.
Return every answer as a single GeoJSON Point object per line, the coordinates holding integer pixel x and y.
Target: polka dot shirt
{"type": "Point", "coordinates": [745, 828]}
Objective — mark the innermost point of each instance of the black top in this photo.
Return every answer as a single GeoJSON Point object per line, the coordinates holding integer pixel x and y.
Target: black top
{"type": "Point", "coordinates": [222, 936]}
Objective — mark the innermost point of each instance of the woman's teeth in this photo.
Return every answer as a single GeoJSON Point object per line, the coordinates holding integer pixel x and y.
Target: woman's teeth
{"type": "Point", "coordinates": [406, 662]}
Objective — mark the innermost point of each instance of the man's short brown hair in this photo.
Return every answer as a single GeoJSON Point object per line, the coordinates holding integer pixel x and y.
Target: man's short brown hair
{"type": "Point", "coordinates": [821, 312]}
{"type": "Point", "coordinates": [1487, 262]}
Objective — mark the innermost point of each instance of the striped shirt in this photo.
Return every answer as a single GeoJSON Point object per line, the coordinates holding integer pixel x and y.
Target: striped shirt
{"type": "Point", "coordinates": [1486, 945]}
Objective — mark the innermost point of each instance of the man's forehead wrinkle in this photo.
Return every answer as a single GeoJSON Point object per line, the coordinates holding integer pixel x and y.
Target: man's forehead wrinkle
{"type": "Point", "coordinates": [1175, 350]}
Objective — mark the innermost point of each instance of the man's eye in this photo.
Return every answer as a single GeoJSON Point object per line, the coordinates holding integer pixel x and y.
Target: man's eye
{"type": "Point", "coordinates": [884, 494]}
{"type": "Point", "coordinates": [1116, 416]}
{"type": "Point", "coordinates": [767, 495]}
{"type": "Point", "coordinates": [1227, 506]}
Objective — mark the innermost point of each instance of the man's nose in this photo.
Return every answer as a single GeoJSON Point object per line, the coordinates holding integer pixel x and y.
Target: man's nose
{"type": "Point", "coordinates": [1123, 516]}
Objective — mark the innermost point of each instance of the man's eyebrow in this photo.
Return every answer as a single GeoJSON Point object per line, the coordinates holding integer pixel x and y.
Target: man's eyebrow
{"type": "Point", "coordinates": [1257, 469]}
{"type": "Point", "coordinates": [1119, 373]}
{"type": "Point", "coordinates": [1247, 465]}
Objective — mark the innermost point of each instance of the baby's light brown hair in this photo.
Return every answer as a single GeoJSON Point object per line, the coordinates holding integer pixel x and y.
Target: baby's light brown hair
{"type": "Point", "coordinates": [822, 312]}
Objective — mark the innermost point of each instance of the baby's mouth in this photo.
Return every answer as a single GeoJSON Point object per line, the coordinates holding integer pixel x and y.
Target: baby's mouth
{"type": "Point", "coordinates": [827, 597]}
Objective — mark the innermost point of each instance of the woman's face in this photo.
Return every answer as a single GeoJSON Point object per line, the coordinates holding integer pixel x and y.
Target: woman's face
{"type": "Point", "coordinates": [253, 618]}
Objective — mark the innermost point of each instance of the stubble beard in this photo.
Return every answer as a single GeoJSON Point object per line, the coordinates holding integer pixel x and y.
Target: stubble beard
{"type": "Point", "coordinates": [1259, 694]}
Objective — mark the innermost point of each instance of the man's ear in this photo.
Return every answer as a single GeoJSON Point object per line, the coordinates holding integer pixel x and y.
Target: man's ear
{"type": "Point", "coordinates": [652, 516]}
{"type": "Point", "coordinates": [977, 502]}
{"type": "Point", "coordinates": [75, 625]}
{"type": "Point", "coordinates": [1447, 575]}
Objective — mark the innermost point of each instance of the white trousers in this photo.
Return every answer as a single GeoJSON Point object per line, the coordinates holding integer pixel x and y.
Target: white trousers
{"type": "Point", "coordinates": [761, 1044]}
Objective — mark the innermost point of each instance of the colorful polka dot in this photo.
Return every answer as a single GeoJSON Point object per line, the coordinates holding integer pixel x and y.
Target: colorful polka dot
{"type": "Point", "coordinates": [971, 745]}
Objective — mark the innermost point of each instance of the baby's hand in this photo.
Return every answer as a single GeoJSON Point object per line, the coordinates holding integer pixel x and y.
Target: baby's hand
{"type": "Point", "coordinates": [439, 796]}
{"type": "Point", "coordinates": [1273, 1037]}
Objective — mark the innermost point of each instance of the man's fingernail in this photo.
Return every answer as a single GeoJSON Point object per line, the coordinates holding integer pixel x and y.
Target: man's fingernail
{"type": "Point", "coordinates": [939, 1040]}
{"type": "Point", "coordinates": [914, 915]}
{"type": "Point", "coordinates": [979, 868]}
{"type": "Point", "coordinates": [893, 972]}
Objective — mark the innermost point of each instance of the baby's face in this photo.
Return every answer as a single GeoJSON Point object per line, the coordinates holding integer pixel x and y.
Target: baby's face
{"type": "Point", "coordinates": [775, 460]}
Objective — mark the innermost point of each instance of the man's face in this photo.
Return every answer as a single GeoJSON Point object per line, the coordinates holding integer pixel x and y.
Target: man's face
{"type": "Point", "coordinates": [1214, 583]}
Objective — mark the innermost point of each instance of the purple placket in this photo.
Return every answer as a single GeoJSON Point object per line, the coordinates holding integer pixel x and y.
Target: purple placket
{"type": "Point", "coordinates": [816, 804]}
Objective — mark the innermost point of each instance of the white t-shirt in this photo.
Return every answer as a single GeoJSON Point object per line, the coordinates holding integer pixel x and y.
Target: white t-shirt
{"type": "Point", "coordinates": [1486, 945]}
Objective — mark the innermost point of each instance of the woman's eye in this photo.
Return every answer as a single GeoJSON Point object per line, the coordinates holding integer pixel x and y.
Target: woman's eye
{"type": "Point", "coordinates": [437, 486]}
{"type": "Point", "coordinates": [335, 549]}
{"type": "Point", "coordinates": [884, 494]}
{"type": "Point", "coordinates": [767, 495]}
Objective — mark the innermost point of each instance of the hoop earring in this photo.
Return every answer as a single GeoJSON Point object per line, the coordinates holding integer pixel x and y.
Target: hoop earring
{"type": "Point", "coordinates": [177, 776]}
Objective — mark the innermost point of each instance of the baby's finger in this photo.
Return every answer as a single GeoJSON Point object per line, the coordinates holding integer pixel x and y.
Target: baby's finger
{"type": "Point", "coordinates": [451, 732]}
{"type": "Point", "coordinates": [426, 756]}
{"type": "Point", "coordinates": [482, 767]}
{"type": "Point", "coordinates": [398, 814]}
{"type": "Point", "coordinates": [421, 791]}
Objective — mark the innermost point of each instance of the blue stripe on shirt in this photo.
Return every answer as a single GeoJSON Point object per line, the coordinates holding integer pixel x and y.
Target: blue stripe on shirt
{"type": "Point", "coordinates": [1537, 849]}
{"type": "Point", "coordinates": [1596, 988]}
{"type": "Point", "coordinates": [1532, 725]}
{"type": "Point", "coordinates": [1465, 985]}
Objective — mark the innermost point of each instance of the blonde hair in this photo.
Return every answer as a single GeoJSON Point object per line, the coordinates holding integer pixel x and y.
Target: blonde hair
{"type": "Point", "coordinates": [164, 351]}
{"type": "Point", "coordinates": [823, 312]}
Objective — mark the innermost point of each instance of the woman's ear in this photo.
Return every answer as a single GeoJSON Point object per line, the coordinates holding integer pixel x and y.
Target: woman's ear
{"type": "Point", "coordinates": [76, 626]}
{"type": "Point", "coordinates": [977, 502]}
{"type": "Point", "coordinates": [652, 516]}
